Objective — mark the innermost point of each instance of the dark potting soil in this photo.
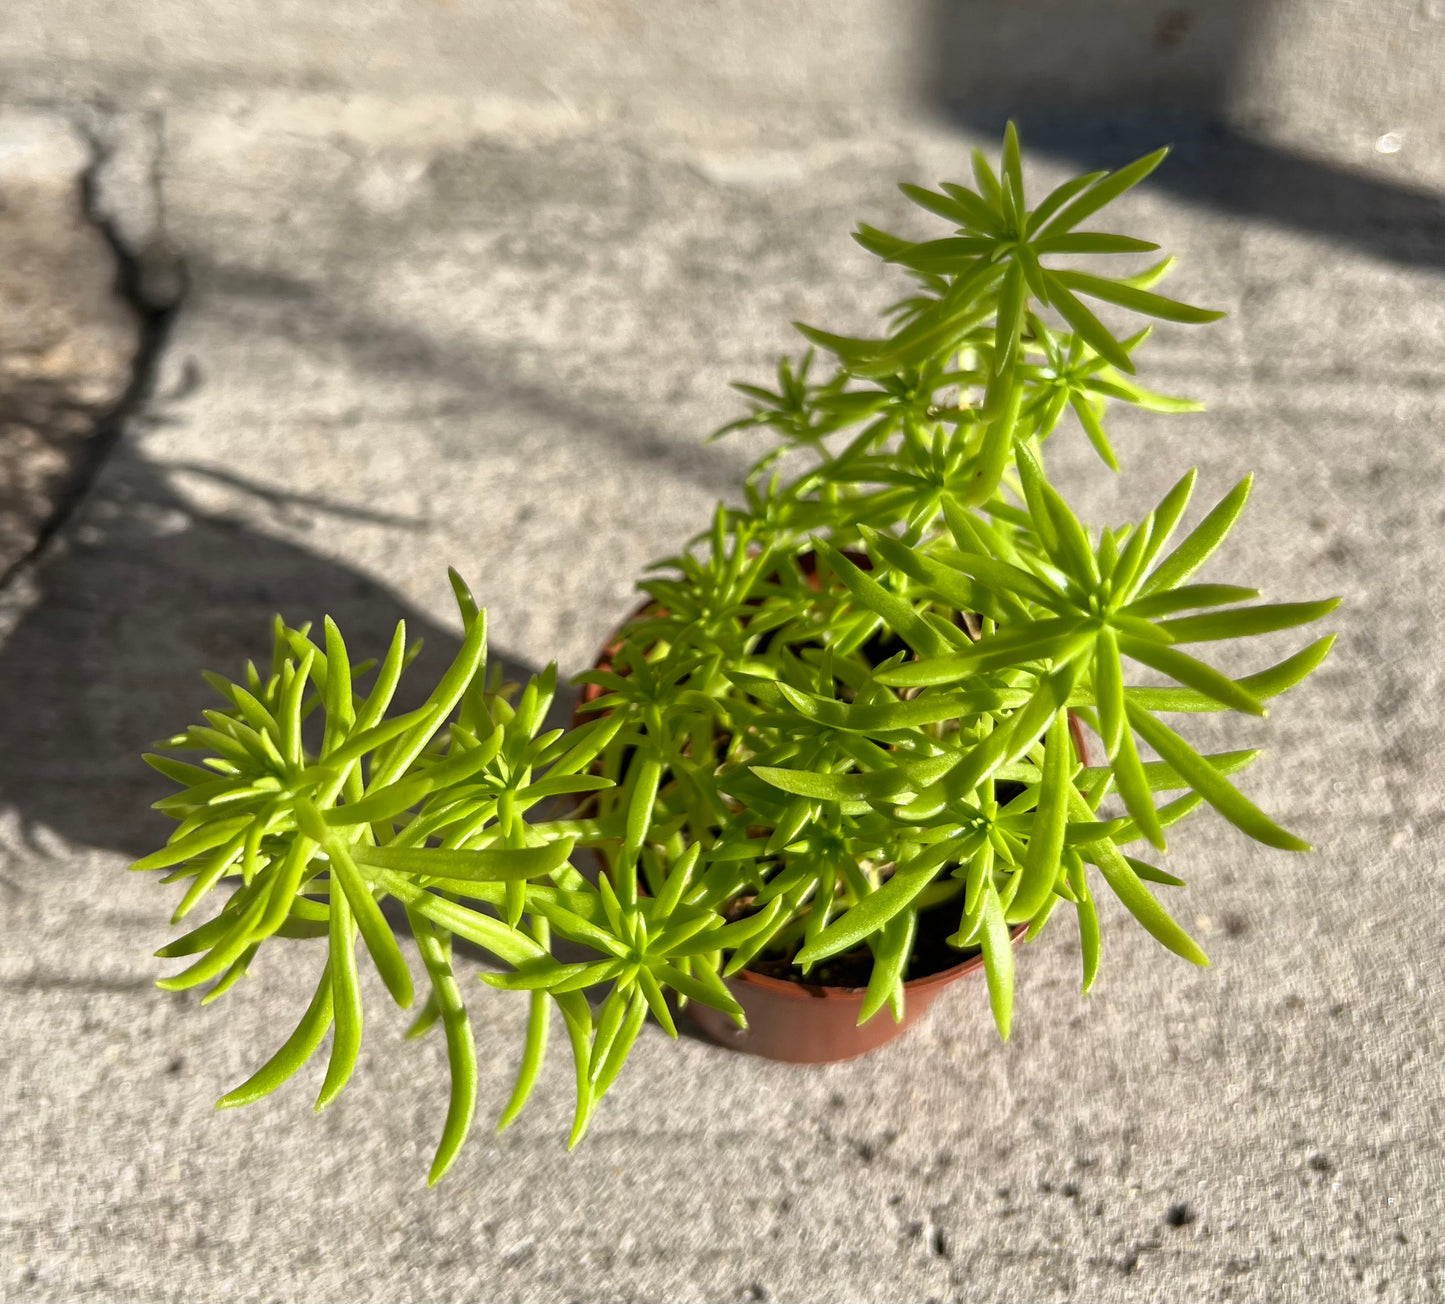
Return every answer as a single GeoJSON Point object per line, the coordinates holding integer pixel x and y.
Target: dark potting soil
{"type": "Point", "coordinates": [931, 954]}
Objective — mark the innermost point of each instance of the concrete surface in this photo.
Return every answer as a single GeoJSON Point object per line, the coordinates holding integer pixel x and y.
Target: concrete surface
{"type": "Point", "coordinates": [425, 329]}
{"type": "Point", "coordinates": [1328, 79]}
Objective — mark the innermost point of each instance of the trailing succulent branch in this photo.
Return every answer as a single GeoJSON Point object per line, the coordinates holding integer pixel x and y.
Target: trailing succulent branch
{"type": "Point", "coordinates": [847, 704]}
{"type": "Point", "coordinates": [436, 809]}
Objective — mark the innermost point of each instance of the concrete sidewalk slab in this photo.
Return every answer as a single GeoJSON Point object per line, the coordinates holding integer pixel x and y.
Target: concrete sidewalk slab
{"type": "Point", "coordinates": [498, 346]}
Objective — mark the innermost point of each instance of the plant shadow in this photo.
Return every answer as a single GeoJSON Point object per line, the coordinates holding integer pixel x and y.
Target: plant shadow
{"type": "Point", "coordinates": [144, 592]}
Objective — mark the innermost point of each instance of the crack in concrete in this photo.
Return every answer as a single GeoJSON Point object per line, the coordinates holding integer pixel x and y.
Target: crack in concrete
{"type": "Point", "coordinates": [155, 308]}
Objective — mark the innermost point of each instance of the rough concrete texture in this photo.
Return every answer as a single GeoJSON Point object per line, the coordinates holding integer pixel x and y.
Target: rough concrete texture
{"type": "Point", "coordinates": [422, 332]}
{"type": "Point", "coordinates": [1328, 79]}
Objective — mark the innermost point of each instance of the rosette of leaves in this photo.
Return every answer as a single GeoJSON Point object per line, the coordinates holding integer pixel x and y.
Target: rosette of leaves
{"type": "Point", "coordinates": [992, 351]}
{"type": "Point", "coordinates": [317, 806]}
{"type": "Point", "coordinates": [1057, 633]}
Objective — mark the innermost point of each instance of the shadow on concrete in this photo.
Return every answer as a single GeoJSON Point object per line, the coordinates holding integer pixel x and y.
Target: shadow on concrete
{"type": "Point", "coordinates": [142, 594]}
{"type": "Point", "coordinates": [454, 377]}
{"type": "Point", "coordinates": [46, 433]}
{"type": "Point", "coordinates": [1100, 82]}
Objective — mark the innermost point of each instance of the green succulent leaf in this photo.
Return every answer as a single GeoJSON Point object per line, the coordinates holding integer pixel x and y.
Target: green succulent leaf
{"type": "Point", "coordinates": [1201, 543]}
{"type": "Point", "coordinates": [1040, 868]}
{"type": "Point", "coordinates": [489, 865]}
{"type": "Point", "coordinates": [1261, 686]}
{"type": "Point", "coordinates": [998, 961]}
{"type": "Point", "coordinates": [294, 1052]}
{"type": "Point", "coordinates": [1241, 623]}
{"type": "Point", "coordinates": [877, 908]}
{"type": "Point", "coordinates": [461, 1046]}
{"type": "Point", "coordinates": [1103, 191]}
{"type": "Point", "coordinates": [345, 1003]}
{"type": "Point", "coordinates": [890, 957]}
{"type": "Point", "coordinates": [1127, 296]}
{"type": "Point", "coordinates": [1210, 784]}
{"type": "Point", "coordinates": [1125, 884]}
{"type": "Point", "coordinates": [896, 613]}
{"type": "Point", "coordinates": [375, 931]}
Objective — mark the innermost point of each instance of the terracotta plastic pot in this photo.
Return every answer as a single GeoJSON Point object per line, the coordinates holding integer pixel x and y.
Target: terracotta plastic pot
{"type": "Point", "coordinates": [802, 1024]}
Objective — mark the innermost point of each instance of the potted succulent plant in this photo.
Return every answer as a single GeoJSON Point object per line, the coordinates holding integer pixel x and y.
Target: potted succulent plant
{"type": "Point", "coordinates": [836, 759]}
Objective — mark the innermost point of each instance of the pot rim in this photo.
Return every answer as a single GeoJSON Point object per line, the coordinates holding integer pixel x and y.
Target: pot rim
{"type": "Point", "coordinates": [821, 991]}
